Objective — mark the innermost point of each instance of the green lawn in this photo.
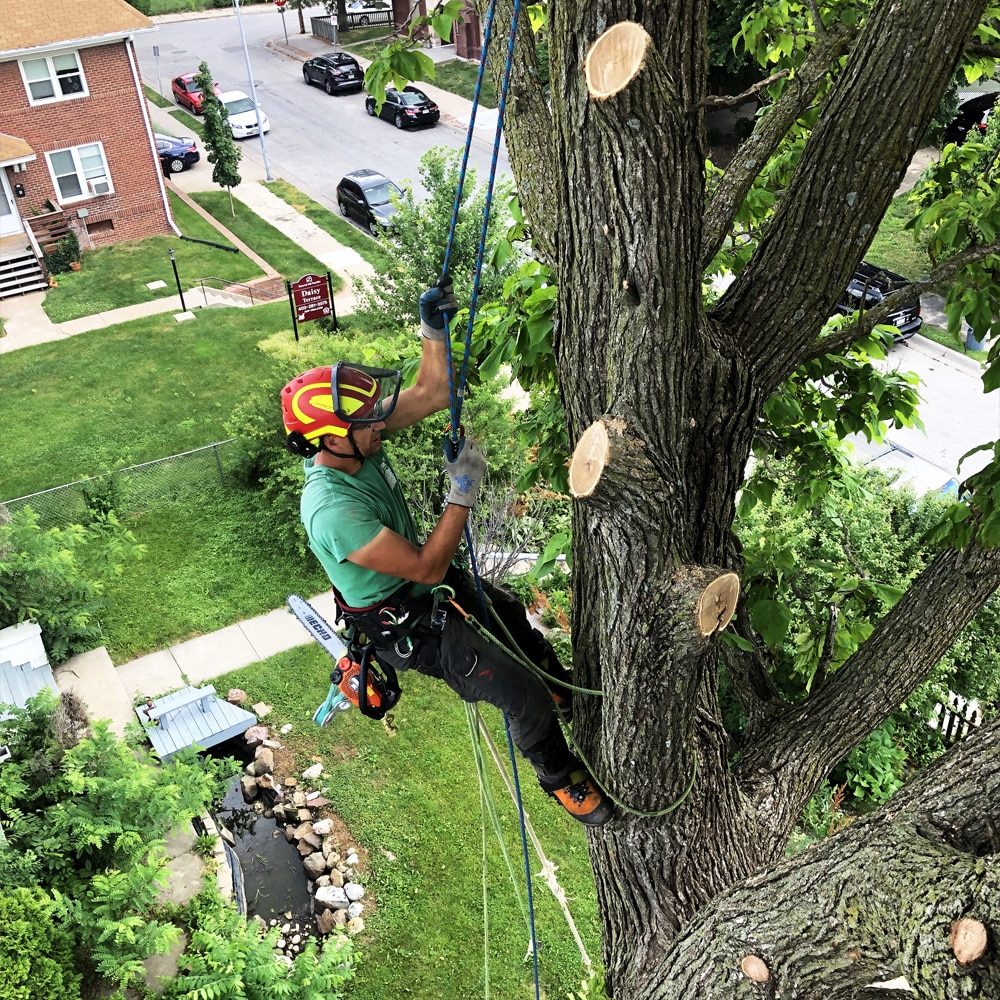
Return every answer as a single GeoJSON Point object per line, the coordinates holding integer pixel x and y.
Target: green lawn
{"type": "Point", "coordinates": [128, 394]}
{"type": "Point", "coordinates": [117, 275]}
{"type": "Point", "coordinates": [339, 228]}
{"type": "Point", "coordinates": [282, 253]}
{"type": "Point", "coordinates": [411, 802]}
{"type": "Point", "coordinates": [207, 565]}
{"type": "Point", "coordinates": [459, 77]}
{"type": "Point", "coordinates": [894, 246]}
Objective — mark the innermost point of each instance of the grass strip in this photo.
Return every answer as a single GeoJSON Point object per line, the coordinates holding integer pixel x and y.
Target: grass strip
{"type": "Point", "coordinates": [945, 339]}
{"type": "Point", "coordinates": [340, 229]}
{"type": "Point", "coordinates": [282, 253]}
{"type": "Point", "coordinates": [156, 98]}
{"type": "Point", "coordinates": [190, 123]}
{"type": "Point", "coordinates": [117, 275]}
{"type": "Point", "coordinates": [411, 803]}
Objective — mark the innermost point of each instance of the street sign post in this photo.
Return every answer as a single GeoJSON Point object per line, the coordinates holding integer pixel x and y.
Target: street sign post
{"type": "Point", "coordinates": [311, 297]}
{"type": "Point", "coordinates": [280, 4]}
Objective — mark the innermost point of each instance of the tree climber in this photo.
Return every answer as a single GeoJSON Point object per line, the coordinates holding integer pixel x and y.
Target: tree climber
{"type": "Point", "coordinates": [394, 589]}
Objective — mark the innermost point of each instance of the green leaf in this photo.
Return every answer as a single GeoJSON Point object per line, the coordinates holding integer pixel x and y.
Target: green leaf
{"type": "Point", "coordinates": [771, 620]}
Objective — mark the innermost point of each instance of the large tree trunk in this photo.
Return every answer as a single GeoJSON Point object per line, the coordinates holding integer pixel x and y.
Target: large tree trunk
{"type": "Point", "coordinates": [615, 191]}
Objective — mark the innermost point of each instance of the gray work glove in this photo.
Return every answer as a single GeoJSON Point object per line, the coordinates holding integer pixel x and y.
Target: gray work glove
{"type": "Point", "coordinates": [437, 303]}
{"type": "Point", "coordinates": [465, 470]}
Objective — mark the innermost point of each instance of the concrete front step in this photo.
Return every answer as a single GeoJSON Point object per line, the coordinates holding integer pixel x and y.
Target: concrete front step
{"type": "Point", "coordinates": [93, 677]}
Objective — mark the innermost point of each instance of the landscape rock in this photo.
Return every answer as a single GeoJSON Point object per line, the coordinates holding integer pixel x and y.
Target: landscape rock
{"type": "Point", "coordinates": [314, 864]}
{"type": "Point", "coordinates": [326, 921]}
{"type": "Point", "coordinates": [255, 735]}
{"type": "Point", "coordinates": [323, 827]}
{"type": "Point", "coordinates": [355, 910]}
{"type": "Point", "coordinates": [337, 878]}
{"type": "Point", "coordinates": [355, 926]}
{"type": "Point", "coordinates": [236, 696]}
{"type": "Point", "coordinates": [312, 772]}
{"type": "Point", "coordinates": [261, 710]}
{"type": "Point", "coordinates": [354, 891]}
{"type": "Point", "coordinates": [249, 788]}
{"type": "Point", "coordinates": [331, 897]}
{"type": "Point", "coordinates": [263, 762]}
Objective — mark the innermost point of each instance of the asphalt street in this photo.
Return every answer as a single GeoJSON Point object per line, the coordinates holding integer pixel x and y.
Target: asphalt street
{"type": "Point", "coordinates": [315, 138]}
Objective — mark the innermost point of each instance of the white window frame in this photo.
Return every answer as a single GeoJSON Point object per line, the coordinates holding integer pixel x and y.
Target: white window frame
{"type": "Point", "coordinates": [94, 180]}
{"type": "Point", "coordinates": [54, 77]}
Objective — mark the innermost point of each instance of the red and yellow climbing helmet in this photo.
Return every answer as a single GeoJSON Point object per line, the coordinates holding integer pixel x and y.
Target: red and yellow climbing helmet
{"type": "Point", "coordinates": [328, 400]}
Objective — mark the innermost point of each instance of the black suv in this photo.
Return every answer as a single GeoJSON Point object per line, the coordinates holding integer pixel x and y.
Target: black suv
{"type": "Point", "coordinates": [873, 284]}
{"type": "Point", "coordinates": [334, 72]}
{"type": "Point", "coordinates": [367, 196]}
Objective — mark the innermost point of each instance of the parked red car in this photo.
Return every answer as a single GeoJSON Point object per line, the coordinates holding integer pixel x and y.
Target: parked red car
{"type": "Point", "coordinates": [186, 92]}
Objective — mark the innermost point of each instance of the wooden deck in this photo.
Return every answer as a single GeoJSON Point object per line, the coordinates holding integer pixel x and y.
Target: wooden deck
{"type": "Point", "coordinates": [19, 683]}
{"type": "Point", "coordinates": [192, 717]}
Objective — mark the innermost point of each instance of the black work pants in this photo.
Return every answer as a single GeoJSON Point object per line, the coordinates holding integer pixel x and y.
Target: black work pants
{"type": "Point", "coordinates": [478, 669]}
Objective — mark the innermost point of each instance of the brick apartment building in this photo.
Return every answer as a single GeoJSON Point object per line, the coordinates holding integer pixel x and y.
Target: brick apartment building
{"type": "Point", "coordinates": [76, 145]}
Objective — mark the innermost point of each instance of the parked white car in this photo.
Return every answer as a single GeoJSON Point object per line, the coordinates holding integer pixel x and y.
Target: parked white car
{"type": "Point", "coordinates": [243, 114]}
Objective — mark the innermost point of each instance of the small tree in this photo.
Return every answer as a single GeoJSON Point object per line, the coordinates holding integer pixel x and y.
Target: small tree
{"type": "Point", "coordinates": [221, 150]}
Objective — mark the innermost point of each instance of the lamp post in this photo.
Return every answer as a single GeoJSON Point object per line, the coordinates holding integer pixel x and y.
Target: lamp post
{"type": "Point", "coordinates": [253, 92]}
{"type": "Point", "coordinates": [177, 278]}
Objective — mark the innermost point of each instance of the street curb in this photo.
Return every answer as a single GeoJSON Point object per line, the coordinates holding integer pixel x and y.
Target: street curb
{"type": "Point", "coordinates": [932, 349]}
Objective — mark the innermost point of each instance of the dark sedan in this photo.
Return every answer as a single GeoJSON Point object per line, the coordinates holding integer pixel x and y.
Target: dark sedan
{"type": "Point", "coordinates": [334, 72]}
{"type": "Point", "coordinates": [971, 118]}
{"type": "Point", "coordinates": [406, 108]}
{"type": "Point", "coordinates": [177, 152]}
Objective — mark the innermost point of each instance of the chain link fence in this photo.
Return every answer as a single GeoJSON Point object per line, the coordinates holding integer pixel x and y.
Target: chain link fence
{"type": "Point", "coordinates": [128, 491]}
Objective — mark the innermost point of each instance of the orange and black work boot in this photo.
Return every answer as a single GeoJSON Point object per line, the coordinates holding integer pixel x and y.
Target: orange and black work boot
{"type": "Point", "coordinates": [564, 704]}
{"type": "Point", "coordinates": [582, 799]}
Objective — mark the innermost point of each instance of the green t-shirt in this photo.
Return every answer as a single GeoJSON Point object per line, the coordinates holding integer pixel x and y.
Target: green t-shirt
{"type": "Point", "coordinates": [342, 513]}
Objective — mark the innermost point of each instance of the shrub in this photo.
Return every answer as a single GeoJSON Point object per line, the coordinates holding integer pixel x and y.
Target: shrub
{"type": "Point", "coordinates": [65, 253]}
{"type": "Point", "coordinates": [88, 815]}
{"type": "Point", "coordinates": [56, 576]}
{"type": "Point", "coordinates": [36, 950]}
{"type": "Point", "coordinates": [228, 956]}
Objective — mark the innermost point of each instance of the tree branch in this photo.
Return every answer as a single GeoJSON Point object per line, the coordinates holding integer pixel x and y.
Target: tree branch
{"type": "Point", "coordinates": [843, 183]}
{"type": "Point", "coordinates": [767, 135]}
{"type": "Point", "coordinates": [868, 319]}
{"type": "Point", "coordinates": [715, 101]}
{"type": "Point", "coordinates": [811, 737]}
{"type": "Point", "coordinates": [878, 900]}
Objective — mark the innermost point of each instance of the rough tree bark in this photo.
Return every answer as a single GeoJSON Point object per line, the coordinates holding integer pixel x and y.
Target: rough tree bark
{"type": "Point", "coordinates": [689, 873]}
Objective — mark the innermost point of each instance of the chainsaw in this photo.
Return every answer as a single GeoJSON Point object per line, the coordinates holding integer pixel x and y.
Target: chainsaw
{"type": "Point", "coordinates": [357, 679]}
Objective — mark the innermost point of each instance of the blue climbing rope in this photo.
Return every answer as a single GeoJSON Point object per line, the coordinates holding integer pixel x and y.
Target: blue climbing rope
{"type": "Point", "coordinates": [456, 392]}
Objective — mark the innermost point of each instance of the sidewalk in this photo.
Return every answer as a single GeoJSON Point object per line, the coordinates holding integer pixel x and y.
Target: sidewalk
{"type": "Point", "coordinates": [111, 692]}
